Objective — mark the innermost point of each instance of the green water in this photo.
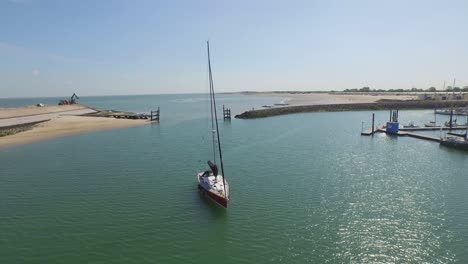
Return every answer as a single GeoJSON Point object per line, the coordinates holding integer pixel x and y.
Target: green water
{"type": "Point", "coordinates": [305, 188]}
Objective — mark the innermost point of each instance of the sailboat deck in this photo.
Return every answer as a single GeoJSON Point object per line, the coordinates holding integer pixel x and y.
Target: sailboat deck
{"type": "Point", "coordinates": [213, 184]}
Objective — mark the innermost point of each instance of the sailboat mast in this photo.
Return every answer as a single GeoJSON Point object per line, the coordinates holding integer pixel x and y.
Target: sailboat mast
{"type": "Point", "coordinates": [466, 133]}
{"type": "Point", "coordinates": [216, 118]}
{"type": "Point", "coordinates": [453, 97]}
{"type": "Point", "coordinates": [211, 105]}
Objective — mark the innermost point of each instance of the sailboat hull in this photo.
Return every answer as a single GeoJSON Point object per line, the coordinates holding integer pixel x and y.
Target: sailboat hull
{"type": "Point", "coordinates": [459, 144]}
{"type": "Point", "coordinates": [219, 200]}
{"type": "Point", "coordinates": [212, 188]}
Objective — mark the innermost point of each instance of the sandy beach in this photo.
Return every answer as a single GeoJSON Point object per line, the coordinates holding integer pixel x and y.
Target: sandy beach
{"type": "Point", "coordinates": [35, 110]}
{"type": "Point", "coordinates": [58, 121]}
{"type": "Point", "coordinates": [295, 99]}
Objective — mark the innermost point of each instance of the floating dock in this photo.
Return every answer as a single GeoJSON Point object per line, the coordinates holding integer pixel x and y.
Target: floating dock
{"type": "Point", "coordinates": [381, 128]}
{"type": "Point", "coordinates": [457, 134]}
{"type": "Point", "coordinates": [407, 132]}
{"type": "Point", "coordinates": [370, 131]}
{"type": "Point", "coordinates": [435, 139]}
{"type": "Point", "coordinates": [432, 128]}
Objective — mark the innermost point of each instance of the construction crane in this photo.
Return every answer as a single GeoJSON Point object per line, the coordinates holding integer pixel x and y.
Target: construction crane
{"type": "Point", "coordinates": [72, 100]}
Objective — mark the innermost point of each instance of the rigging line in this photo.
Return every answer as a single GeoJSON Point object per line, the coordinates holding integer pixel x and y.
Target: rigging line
{"type": "Point", "coordinates": [211, 105]}
{"type": "Point", "coordinates": [216, 120]}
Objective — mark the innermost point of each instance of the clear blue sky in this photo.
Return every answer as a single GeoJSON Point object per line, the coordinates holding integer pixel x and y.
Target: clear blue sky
{"type": "Point", "coordinates": [55, 48]}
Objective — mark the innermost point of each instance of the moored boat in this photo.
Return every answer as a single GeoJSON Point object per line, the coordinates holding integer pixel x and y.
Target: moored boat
{"type": "Point", "coordinates": [458, 112]}
{"type": "Point", "coordinates": [411, 125]}
{"type": "Point", "coordinates": [455, 142]}
{"type": "Point", "coordinates": [431, 124]}
{"type": "Point", "coordinates": [454, 124]}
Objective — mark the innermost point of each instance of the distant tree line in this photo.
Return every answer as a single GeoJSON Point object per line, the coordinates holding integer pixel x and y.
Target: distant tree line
{"type": "Point", "coordinates": [430, 89]}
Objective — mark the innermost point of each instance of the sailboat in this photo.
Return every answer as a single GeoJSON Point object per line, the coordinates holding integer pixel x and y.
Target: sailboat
{"type": "Point", "coordinates": [432, 123]}
{"type": "Point", "coordinates": [212, 182]}
{"type": "Point", "coordinates": [456, 142]}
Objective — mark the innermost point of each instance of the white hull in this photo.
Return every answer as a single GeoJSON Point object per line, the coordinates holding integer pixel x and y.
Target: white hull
{"type": "Point", "coordinates": [214, 187]}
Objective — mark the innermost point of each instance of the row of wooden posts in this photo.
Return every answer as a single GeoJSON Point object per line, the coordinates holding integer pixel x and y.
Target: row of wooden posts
{"type": "Point", "coordinates": [226, 113]}
{"type": "Point", "coordinates": [155, 115]}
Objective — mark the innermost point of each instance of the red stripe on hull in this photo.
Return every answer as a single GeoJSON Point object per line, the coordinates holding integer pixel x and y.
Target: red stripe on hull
{"type": "Point", "coordinates": [220, 200]}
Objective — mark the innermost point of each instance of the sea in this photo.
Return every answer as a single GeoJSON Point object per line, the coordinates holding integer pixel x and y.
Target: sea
{"type": "Point", "coordinates": [304, 188]}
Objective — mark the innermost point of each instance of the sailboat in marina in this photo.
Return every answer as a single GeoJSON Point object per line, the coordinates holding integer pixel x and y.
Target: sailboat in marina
{"type": "Point", "coordinates": [456, 142]}
{"type": "Point", "coordinates": [211, 182]}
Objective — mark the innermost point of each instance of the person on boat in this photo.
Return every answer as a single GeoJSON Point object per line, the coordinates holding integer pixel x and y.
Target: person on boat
{"type": "Point", "coordinates": [213, 168]}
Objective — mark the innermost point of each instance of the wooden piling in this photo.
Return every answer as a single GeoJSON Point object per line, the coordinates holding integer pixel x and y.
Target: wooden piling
{"type": "Point", "coordinates": [226, 113]}
{"type": "Point", "coordinates": [154, 115]}
{"type": "Point", "coordinates": [373, 119]}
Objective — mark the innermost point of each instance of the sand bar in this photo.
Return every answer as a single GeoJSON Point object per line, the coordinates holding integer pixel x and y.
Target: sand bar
{"type": "Point", "coordinates": [66, 125]}
{"type": "Point", "coordinates": [35, 110]}
{"type": "Point", "coordinates": [330, 98]}
{"type": "Point", "coordinates": [63, 120]}
{"type": "Point", "coordinates": [22, 119]}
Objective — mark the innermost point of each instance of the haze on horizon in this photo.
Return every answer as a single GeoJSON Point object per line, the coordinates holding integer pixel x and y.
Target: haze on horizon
{"type": "Point", "coordinates": [55, 48]}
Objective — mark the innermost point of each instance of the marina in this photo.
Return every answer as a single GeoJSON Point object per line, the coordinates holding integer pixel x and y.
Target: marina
{"type": "Point", "coordinates": [392, 127]}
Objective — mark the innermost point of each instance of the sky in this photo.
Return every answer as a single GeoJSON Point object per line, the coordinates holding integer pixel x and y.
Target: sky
{"type": "Point", "coordinates": [116, 47]}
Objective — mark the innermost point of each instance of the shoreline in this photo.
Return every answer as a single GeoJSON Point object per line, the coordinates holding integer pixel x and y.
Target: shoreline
{"type": "Point", "coordinates": [66, 126]}
{"type": "Point", "coordinates": [327, 98]}
{"type": "Point", "coordinates": [380, 105]}
{"type": "Point", "coordinates": [23, 125]}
